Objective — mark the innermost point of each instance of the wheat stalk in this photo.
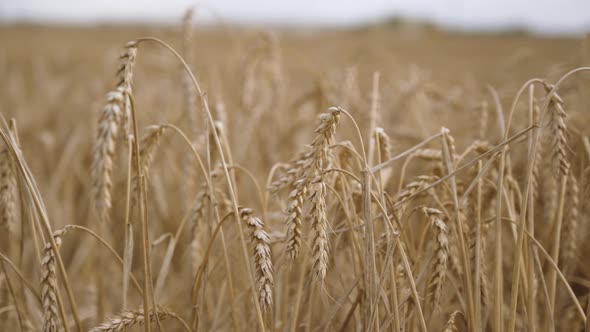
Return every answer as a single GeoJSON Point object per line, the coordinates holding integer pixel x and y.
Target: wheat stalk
{"type": "Point", "coordinates": [439, 269]}
{"type": "Point", "coordinates": [147, 150]}
{"type": "Point", "coordinates": [538, 155]}
{"type": "Point", "coordinates": [115, 115]}
{"type": "Point", "coordinates": [319, 225]}
{"type": "Point", "coordinates": [125, 75]}
{"type": "Point", "coordinates": [420, 182]}
{"type": "Point", "coordinates": [571, 227]}
{"type": "Point", "coordinates": [49, 287]}
{"type": "Point", "coordinates": [558, 135]}
{"type": "Point", "coordinates": [484, 282]}
{"type": "Point", "coordinates": [451, 325]}
{"type": "Point", "coordinates": [483, 120]}
{"type": "Point", "coordinates": [104, 150]}
{"type": "Point", "coordinates": [262, 256]}
{"type": "Point", "coordinates": [130, 318]}
{"type": "Point", "coordinates": [196, 215]}
{"type": "Point", "coordinates": [294, 218]}
{"type": "Point", "coordinates": [428, 154]}
{"type": "Point", "coordinates": [384, 143]}
{"type": "Point", "coordinates": [7, 191]}
{"type": "Point", "coordinates": [313, 164]}
{"type": "Point", "coordinates": [450, 142]}
{"type": "Point", "coordinates": [291, 174]}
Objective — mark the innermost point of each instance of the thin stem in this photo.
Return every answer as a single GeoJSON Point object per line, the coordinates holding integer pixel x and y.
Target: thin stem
{"type": "Point", "coordinates": [147, 276]}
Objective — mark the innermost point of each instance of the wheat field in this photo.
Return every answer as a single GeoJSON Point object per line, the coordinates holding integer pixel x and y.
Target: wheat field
{"type": "Point", "coordinates": [392, 177]}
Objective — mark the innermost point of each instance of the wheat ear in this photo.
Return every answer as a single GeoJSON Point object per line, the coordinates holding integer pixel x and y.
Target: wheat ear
{"type": "Point", "coordinates": [130, 318]}
{"type": "Point", "coordinates": [115, 115]}
{"type": "Point", "coordinates": [439, 268]}
{"type": "Point", "coordinates": [7, 191]}
{"type": "Point", "coordinates": [49, 290]}
{"type": "Point", "coordinates": [571, 228]}
{"type": "Point", "coordinates": [147, 150]}
{"type": "Point", "coordinates": [195, 217]}
{"type": "Point", "coordinates": [316, 158]}
{"type": "Point", "coordinates": [319, 226]}
{"type": "Point", "coordinates": [558, 135]}
{"type": "Point", "coordinates": [451, 325]}
{"type": "Point", "coordinates": [262, 256]}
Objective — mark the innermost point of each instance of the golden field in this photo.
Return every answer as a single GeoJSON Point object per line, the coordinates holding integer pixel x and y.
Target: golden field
{"type": "Point", "coordinates": [388, 177]}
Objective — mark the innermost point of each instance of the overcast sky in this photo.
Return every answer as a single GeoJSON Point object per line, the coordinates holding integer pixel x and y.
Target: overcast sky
{"type": "Point", "coordinates": [547, 16]}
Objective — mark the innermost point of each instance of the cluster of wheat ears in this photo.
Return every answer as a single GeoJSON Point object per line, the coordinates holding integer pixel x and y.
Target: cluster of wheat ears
{"type": "Point", "coordinates": [346, 236]}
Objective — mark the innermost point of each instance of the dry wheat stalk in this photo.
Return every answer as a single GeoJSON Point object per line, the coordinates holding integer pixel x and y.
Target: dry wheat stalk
{"type": "Point", "coordinates": [345, 155]}
{"type": "Point", "coordinates": [420, 182]}
{"type": "Point", "coordinates": [148, 145]}
{"type": "Point", "coordinates": [294, 218]}
{"type": "Point", "coordinates": [384, 240]}
{"type": "Point", "coordinates": [451, 325]}
{"type": "Point", "coordinates": [188, 91]}
{"type": "Point", "coordinates": [49, 287]}
{"type": "Point", "coordinates": [384, 143]}
{"type": "Point", "coordinates": [427, 154]}
{"type": "Point", "coordinates": [558, 135]}
{"type": "Point", "coordinates": [196, 215]}
{"type": "Point", "coordinates": [483, 279]}
{"type": "Point", "coordinates": [7, 191]}
{"type": "Point", "coordinates": [104, 150]}
{"type": "Point", "coordinates": [130, 318]}
{"type": "Point", "coordinates": [125, 75]}
{"type": "Point", "coordinates": [262, 256]}
{"type": "Point", "coordinates": [571, 226]}
{"type": "Point", "coordinates": [483, 120]}
{"type": "Point", "coordinates": [450, 142]}
{"type": "Point", "coordinates": [439, 269]}
{"type": "Point", "coordinates": [147, 150]}
{"type": "Point", "coordinates": [538, 156]}
{"type": "Point", "coordinates": [478, 146]}
{"type": "Point", "coordinates": [292, 173]}
{"type": "Point", "coordinates": [316, 159]}
{"type": "Point", "coordinates": [319, 225]}
{"type": "Point", "coordinates": [115, 115]}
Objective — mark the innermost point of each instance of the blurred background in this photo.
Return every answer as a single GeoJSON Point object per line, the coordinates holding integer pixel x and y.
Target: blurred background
{"type": "Point", "coordinates": [539, 16]}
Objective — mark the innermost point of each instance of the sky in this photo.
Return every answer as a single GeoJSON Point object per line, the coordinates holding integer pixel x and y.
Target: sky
{"type": "Point", "coordinates": [540, 16]}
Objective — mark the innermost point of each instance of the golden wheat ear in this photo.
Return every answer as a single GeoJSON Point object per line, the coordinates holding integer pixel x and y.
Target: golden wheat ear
{"type": "Point", "coordinates": [114, 117]}
{"type": "Point", "coordinates": [439, 266]}
{"type": "Point", "coordinates": [260, 241]}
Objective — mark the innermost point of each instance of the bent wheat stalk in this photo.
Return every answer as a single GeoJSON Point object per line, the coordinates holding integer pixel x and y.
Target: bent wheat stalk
{"type": "Point", "coordinates": [129, 318]}
{"type": "Point", "coordinates": [262, 256]}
